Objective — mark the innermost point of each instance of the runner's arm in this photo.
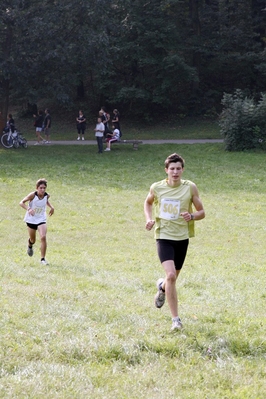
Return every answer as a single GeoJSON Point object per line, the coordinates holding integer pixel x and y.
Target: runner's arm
{"type": "Point", "coordinates": [51, 212]}
{"type": "Point", "coordinates": [199, 213]}
{"type": "Point", "coordinates": [28, 198]}
{"type": "Point", "coordinates": [148, 210]}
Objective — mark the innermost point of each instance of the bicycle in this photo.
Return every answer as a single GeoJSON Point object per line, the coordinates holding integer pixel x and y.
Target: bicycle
{"type": "Point", "coordinates": [14, 139]}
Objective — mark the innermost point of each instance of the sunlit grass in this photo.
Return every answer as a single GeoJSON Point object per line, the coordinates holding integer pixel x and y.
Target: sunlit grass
{"type": "Point", "coordinates": [86, 325]}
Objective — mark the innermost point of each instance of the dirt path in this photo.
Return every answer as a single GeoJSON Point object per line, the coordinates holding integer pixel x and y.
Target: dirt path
{"type": "Point", "coordinates": [93, 142]}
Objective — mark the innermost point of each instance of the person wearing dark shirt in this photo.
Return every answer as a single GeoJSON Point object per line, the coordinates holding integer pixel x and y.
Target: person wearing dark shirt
{"type": "Point", "coordinates": [47, 125]}
{"type": "Point", "coordinates": [11, 123]}
{"type": "Point", "coordinates": [105, 120]}
{"type": "Point", "coordinates": [38, 126]}
{"type": "Point", "coordinates": [116, 120]}
{"type": "Point", "coordinates": [81, 125]}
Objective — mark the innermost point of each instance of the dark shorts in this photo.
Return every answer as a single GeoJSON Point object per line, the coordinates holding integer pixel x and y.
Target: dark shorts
{"type": "Point", "coordinates": [172, 250]}
{"type": "Point", "coordinates": [81, 129]}
{"type": "Point", "coordinates": [34, 226]}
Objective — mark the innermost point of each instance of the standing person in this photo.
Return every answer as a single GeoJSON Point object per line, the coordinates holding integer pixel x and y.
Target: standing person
{"type": "Point", "coordinates": [116, 120]}
{"type": "Point", "coordinates": [38, 126]}
{"type": "Point", "coordinates": [112, 138]}
{"type": "Point", "coordinates": [11, 123]}
{"type": "Point", "coordinates": [81, 125]}
{"type": "Point", "coordinates": [174, 224]}
{"type": "Point", "coordinates": [36, 216]}
{"type": "Point", "coordinates": [47, 126]}
{"type": "Point", "coordinates": [99, 131]}
{"type": "Point", "coordinates": [105, 120]}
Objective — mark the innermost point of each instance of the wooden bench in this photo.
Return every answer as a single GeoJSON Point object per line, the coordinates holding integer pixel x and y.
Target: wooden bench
{"type": "Point", "coordinates": [134, 142]}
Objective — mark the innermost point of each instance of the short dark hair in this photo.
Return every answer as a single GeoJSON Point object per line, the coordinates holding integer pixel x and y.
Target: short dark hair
{"type": "Point", "coordinates": [41, 181]}
{"type": "Point", "coordinates": [174, 158]}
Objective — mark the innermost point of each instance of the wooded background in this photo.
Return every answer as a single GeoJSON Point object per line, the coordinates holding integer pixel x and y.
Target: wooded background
{"type": "Point", "coordinates": [146, 58]}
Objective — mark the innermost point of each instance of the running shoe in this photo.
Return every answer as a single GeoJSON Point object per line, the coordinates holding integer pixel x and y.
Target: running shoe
{"type": "Point", "coordinates": [177, 324]}
{"type": "Point", "coordinates": [159, 298]}
{"type": "Point", "coordinates": [30, 251]}
{"type": "Point", "coordinates": [44, 262]}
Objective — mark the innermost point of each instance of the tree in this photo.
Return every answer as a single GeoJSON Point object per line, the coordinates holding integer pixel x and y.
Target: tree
{"type": "Point", "coordinates": [167, 56]}
{"type": "Point", "coordinates": [147, 70]}
{"type": "Point", "coordinates": [6, 34]}
{"type": "Point", "coordinates": [243, 121]}
{"type": "Point", "coordinates": [49, 48]}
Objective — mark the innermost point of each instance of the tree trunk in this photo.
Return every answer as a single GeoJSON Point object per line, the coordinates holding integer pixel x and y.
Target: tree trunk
{"type": "Point", "coordinates": [81, 90]}
{"type": "Point", "coordinates": [5, 83]}
{"type": "Point", "coordinates": [195, 23]}
{"type": "Point", "coordinates": [4, 104]}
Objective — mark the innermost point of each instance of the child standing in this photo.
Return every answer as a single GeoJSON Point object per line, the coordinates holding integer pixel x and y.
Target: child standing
{"type": "Point", "coordinates": [99, 131]}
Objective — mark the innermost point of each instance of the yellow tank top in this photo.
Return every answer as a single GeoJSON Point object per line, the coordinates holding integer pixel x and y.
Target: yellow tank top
{"type": "Point", "coordinates": [169, 203]}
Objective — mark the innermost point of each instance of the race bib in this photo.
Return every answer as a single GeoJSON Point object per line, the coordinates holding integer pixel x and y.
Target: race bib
{"type": "Point", "coordinates": [38, 211]}
{"type": "Point", "coordinates": [170, 209]}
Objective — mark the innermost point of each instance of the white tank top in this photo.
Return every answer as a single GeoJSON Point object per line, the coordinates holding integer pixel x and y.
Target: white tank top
{"type": "Point", "coordinates": [39, 207]}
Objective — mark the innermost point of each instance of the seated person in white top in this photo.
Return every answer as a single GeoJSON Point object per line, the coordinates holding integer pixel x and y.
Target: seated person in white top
{"type": "Point", "coordinates": [112, 138]}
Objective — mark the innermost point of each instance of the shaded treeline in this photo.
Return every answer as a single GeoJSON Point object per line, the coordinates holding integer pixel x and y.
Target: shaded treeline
{"type": "Point", "coordinates": [145, 57]}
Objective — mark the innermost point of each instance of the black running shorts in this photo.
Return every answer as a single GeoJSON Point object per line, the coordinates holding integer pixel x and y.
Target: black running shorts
{"type": "Point", "coordinates": [34, 226]}
{"type": "Point", "coordinates": [172, 250]}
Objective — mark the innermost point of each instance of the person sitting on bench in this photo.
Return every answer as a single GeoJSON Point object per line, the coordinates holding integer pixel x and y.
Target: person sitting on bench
{"type": "Point", "coordinates": [112, 138]}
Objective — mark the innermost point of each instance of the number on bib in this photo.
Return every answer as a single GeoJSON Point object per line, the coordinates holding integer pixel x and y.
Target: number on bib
{"type": "Point", "coordinates": [170, 209]}
{"type": "Point", "coordinates": [38, 210]}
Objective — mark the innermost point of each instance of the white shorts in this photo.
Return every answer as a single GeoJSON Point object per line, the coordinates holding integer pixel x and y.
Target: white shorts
{"type": "Point", "coordinates": [38, 129]}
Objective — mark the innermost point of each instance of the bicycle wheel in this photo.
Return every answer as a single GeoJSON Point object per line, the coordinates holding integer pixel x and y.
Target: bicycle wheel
{"type": "Point", "coordinates": [6, 142]}
{"type": "Point", "coordinates": [25, 144]}
{"type": "Point", "coordinates": [15, 144]}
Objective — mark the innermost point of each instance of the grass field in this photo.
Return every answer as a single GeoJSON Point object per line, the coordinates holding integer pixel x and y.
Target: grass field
{"type": "Point", "coordinates": [176, 129]}
{"type": "Point", "coordinates": [86, 326]}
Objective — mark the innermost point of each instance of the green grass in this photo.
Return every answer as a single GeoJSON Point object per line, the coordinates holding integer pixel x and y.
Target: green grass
{"type": "Point", "coordinates": [86, 326]}
{"type": "Point", "coordinates": [177, 129]}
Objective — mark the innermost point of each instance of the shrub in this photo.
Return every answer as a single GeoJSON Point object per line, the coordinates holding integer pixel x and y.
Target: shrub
{"type": "Point", "coordinates": [242, 121]}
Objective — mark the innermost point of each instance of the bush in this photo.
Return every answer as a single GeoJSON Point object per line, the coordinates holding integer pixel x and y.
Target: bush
{"type": "Point", "coordinates": [242, 121]}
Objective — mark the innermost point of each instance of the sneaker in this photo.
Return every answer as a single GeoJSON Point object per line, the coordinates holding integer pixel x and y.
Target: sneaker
{"type": "Point", "coordinates": [78, 138]}
{"type": "Point", "coordinates": [30, 251]}
{"type": "Point", "coordinates": [44, 262]}
{"type": "Point", "coordinates": [37, 143]}
{"type": "Point", "coordinates": [47, 142]}
{"type": "Point", "coordinates": [159, 298]}
{"type": "Point", "coordinates": [82, 138]}
{"type": "Point", "coordinates": [107, 149]}
{"type": "Point", "coordinates": [177, 324]}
